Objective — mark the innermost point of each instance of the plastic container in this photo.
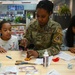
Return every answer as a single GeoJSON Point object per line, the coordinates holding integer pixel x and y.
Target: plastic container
{"type": "Point", "coordinates": [45, 59]}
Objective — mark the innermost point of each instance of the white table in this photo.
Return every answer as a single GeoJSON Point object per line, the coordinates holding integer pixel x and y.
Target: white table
{"type": "Point", "coordinates": [60, 66]}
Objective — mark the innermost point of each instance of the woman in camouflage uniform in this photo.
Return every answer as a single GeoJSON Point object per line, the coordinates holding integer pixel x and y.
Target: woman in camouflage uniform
{"type": "Point", "coordinates": [43, 34]}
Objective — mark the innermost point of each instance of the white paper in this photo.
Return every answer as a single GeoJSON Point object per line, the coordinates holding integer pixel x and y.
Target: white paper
{"type": "Point", "coordinates": [40, 60]}
{"type": "Point", "coordinates": [53, 72]}
{"type": "Point", "coordinates": [65, 56]}
{"type": "Point", "coordinates": [10, 70]}
{"type": "Point", "coordinates": [50, 59]}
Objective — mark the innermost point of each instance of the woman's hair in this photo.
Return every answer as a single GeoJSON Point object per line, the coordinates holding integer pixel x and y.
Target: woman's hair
{"type": "Point", "coordinates": [45, 4]}
{"type": "Point", "coordinates": [69, 34]}
{"type": "Point", "coordinates": [2, 22]}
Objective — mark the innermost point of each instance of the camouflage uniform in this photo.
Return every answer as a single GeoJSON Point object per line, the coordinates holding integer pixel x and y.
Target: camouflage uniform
{"type": "Point", "coordinates": [48, 37]}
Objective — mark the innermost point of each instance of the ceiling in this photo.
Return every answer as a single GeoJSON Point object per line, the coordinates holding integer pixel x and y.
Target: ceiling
{"type": "Point", "coordinates": [19, 0]}
{"type": "Point", "coordinates": [33, 1]}
{"type": "Point", "coordinates": [25, 0]}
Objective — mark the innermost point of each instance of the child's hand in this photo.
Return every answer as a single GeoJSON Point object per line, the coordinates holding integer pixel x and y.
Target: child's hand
{"type": "Point", "coordinates": [2, 50]}
{"type": "Point", "coordinates": [72, 50]}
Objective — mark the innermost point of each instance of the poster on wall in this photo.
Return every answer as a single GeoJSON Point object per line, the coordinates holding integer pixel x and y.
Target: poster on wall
{"type": "Point", "coordinates": [15, 7]}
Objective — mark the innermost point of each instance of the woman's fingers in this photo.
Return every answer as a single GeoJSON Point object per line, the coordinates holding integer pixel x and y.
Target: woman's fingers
{"type": "Point", "coordinates": [23, 42]}
{"type": "Point", "coordinates": [32, 53]}
{"type": "Point", "coordinates": [29, 54]}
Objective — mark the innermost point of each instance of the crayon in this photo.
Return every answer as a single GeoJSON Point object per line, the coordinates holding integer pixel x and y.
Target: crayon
{"type": "Point", "coordinates": [9, 57]}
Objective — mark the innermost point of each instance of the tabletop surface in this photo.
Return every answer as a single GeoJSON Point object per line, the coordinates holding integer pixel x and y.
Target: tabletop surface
{"type": "Point", "coordinates": [60, 66]}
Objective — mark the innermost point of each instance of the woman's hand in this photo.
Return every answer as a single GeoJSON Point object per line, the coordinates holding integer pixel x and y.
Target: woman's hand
{"type": "Point", "coordinates": [23, 42]}
{"type": "Point", "coordinates": [2, 50]}
{"type": "Point", "coordinates": [32, 53]}
{"type": "Point", "coordinates": [72, 50]}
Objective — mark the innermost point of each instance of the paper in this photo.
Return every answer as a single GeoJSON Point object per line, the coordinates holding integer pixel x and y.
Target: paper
{"type": "Point", "coordinates": [40, 60]}
{"type": "Point", "coordinates": [53, 72]}
{"type": "Point", "coordinates": [65, 56]}
{"type": "Point", "coordinates": [50, 59]}
{"type": "Point", "coordinates": [11, 70]}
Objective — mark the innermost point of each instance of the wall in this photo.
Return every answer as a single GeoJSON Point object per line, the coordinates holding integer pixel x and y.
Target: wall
{"type": "Point", "coordinates": [73, 9]}
{"type": "Point", "coordinates": [71, 4]}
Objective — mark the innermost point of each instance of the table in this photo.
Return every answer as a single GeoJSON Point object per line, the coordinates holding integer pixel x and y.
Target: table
{"type": "Point", "coordinates": [60, 66]}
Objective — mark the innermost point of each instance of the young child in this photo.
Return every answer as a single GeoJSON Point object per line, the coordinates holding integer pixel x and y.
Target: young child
{"type": "Point", "coordinates": [7, 41]}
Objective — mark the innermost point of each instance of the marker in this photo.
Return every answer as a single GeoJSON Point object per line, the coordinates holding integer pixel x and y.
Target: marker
{"type": "Point", "coordinates": [9, 57]}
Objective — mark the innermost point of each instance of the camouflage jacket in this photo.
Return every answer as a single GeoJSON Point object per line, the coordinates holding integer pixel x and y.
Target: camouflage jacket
{"type": "Point", "coordinates": [48, 37]}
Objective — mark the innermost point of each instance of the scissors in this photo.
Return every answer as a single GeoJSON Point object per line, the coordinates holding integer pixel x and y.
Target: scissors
{"type": "Point", "coordinates": [19, 62]}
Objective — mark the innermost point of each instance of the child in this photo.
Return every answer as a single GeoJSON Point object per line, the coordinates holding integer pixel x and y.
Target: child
{"type": "Point", "coordinates": [7, 41]}
{"type": "Point", "coordinates": [69, 37]}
